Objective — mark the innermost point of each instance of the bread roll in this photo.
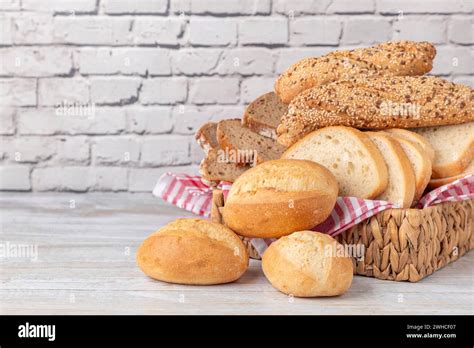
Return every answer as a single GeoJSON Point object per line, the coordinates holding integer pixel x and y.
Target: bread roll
{"type": "Point", "coordinates": [279, 197]}
{"type": "Point", "coordinates": [193, 251]}
{"type": "Point", "coordinates": [308, 264]}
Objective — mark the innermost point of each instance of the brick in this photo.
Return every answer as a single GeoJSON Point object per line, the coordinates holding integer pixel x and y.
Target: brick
{"type": "Point", "coordinates": [289, 56]}
{"type": "Point", "coordinates": [453, 60]}
{"type": "Point", "coordinates": [153, 31]}
{"type": "Point", "coordinates": [34, 28]}
{"type": "Point", "coordinates": [17, 92]}
{"type": "Point", "coordinates": [109, 179]}
{"type": "Point", "coordinates": [9, 5]}
{"type": "Point", "coordinates": [15, 178]}
{"type": "Point", "coordinates": [230, 7]}
{"type": "Point", "coordinates": [73, 150]}
{"type": "Point", "coordinates": [195, 61]}
{"type": "Point", "coordinates": [61, 6]}
{"type": "Point", "coordinates": [149, 120]}
{"type": "Point", "coordinates": [61, 178]}
{"type": "Point", "coordinates": [6, 33]}
{"type": "Point", "coordinates": [212, 32]}
{"type": "Point", "coordinates": [165, 150]}
{"type": "Point", "coordinates": [426, 6]}
{"type": "Point", "coordinates": [296, 7]}
{"type": "Point", "coordinates": [114, 90]}
{"type": "Point", "coordinates": [408, 28]}
{"type": "Point", "coordinates": [38, 61]}
{"type": "Point", "coordinates": [47, 121]}
{"type": "Point", "coordinates": [92, 30]}
{"type": "Point", "coordinates": [211, 90]}
{"type": "Point", "coordinates": [32, 149]}
{"type": "Point", "coordinates": [351, 6]}
{"type": "Point", "coordinates": [254, 87]}
{"type": "Point", "coordinates": [55, 91]}
{"type": "Point", "coordinates": [465, 80]}
{"type": "Point", "coordinates": [7, 123]}
{"type": "Point", "coordinates": [246, 61]}
{"type": "Point", "coordinates": [315, 31]}
{"type": "Point", "coordinates": [163, 90]}
{"type": "Point", "coordinates": [128, 61]}
{"type": "Point", "coordinates": [461, 30]}
{"type": "Point", "coordinates": [115, 150]}
{"type": "Point", "coordinates": [135, 6]}
{"type": "Point", "coordinates": [6, 144]}
{"type": "Point", "coordinates": [366, 31]}
{"type": "Point", "coordinates": [144, 179]}
{"type": "Point", "coordinates": [263, 31]}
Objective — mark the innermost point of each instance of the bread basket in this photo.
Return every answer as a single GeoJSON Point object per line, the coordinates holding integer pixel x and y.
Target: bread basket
{"type": "Point", "coordinates": [401, 244]}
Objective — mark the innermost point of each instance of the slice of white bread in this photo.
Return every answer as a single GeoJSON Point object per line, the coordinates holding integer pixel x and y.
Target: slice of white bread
{"type": "Point", "coordinates": [206, 136]}
{"type": "Point", "coordinates": [453, 145]}
{"type": "Point", "coordinates": [420, 163]}
{"type": "Point", "coordinates": [414, 138]}
{"type": "Point", "coordinates": [401, 178]}
{"type": "Point", "coordinates": [435, 183]}
{"type": "Point", "coordinates": [263, 115]}
{"type": "Point", "coordinates": [214, 168]}
{"type": "Point", "coordinates": [349, 154]}
{"type": "Point", "coordinates": [246, 145]}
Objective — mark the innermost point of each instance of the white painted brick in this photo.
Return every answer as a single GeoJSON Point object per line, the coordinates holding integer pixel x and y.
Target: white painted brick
{"type": "Point", "coordinates": [351, 6]}
{"type": "Point", "coordinates": [461, 30]}
{"type": "Point", "coordinates": [45, 121]}
{"type": "Point", "coordinates": [165, 150]}
{"type": "Point", "coordinates": [197, 154]}
{"type": "Point", "coordinates": [114, 90]}
{"type": "Point", "coordinates": [125, 61]}
{"type": "Point", "coordinates": [54, 91]}
{"type": "Point", "coordinates": [295, 7]}
{"type": "Point", "coordinates": [264, 31]}
{"type": "Point", "coordinates": [315, 31]}
{"type": "Point", "coordinates": [366, 31]}
{"type": "Point", "coordinates": [254, 87]}
{"type": "Point", "coordinates": [32, 149]}
{"type": "Point", "coordinates": [289, 56]}
{"type": "Point", "coordinates": [453, 60]}
{"type": "Point", "coordinates": [113, 150]}
{"type": "Point", "coordinates": [408, 28]}
{"type": "Point", "coordinates": [144, 179]}
{"type": "Point", "coordinates": [149, 120]}
{"type": "Point", "coordinates": [109, 179]}
{"type": "Point", "coordinates": [465, 80]}
{"type": "Point", "coordinates": [212, 32]}
{"type": "Point", "coordinates": [246, 61]}
{"type": "Point", "coordinates": [163, 90]}
{"type": "Point", "coordinates": [9, 5]}
{"type": "Point", "coordinates": [232, 7]}
{"type": "Point", "coordinates": [195, 61]}
{"type": "Point", "coordinates": [33, 28]}
{"type": "Point", "coordinates": [425, 6]}
{"type": "Point", "coordinates": [73, 149]}
{"type": "Point", "coordinates": [211, 90]}
{"type": "Point", "coordinates": [135, 6]}
{"type": "Point", "coordinates": [92, 30]}
{"type": "Point", "coordinates": [15, 178]}
{"type": "Point", "coordinates": [152, 31]}
{"type": "Point", "coordinates": [61, 178]}
{"type": "Point", "coordinates": [37, 61]}
{"type": "Point", "coordinates": [6, 144]}
{"type": "Point", "coordinates": [69, 6]}
{"type": "Point", "coordinates": [7, 123]}
{"type": "Point", "coordinates": [17, 92]}
{"type": "Point", "coordinates": [6, 33]}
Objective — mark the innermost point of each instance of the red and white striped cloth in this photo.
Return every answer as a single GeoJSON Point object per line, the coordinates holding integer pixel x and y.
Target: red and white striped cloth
{"type": "Point", "coordinates": [191, 193]}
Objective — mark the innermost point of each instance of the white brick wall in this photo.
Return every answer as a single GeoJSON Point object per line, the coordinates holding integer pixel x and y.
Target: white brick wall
{"type": "Point", "coordinates": [105, 95]}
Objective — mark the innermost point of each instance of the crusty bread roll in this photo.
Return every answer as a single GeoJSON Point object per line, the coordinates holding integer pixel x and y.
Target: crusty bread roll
{"type": "Point", "coordinates": [308, 264]}
{"type": "Point", "coordinates": [279, 197]}
{"type": "Point", "coordinates": [391, 58]}
{"type": "Point", "coordinates": [193, 251]}
{"type": "Point", "coordinates": [377, 103]}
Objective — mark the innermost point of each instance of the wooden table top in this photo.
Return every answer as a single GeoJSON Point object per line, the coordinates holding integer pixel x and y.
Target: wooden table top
{"type": "Point", "coordinates": [85, 264]}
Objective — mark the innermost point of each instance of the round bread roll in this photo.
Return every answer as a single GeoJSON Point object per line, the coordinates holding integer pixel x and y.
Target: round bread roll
{"type": "Point", "coordinates": [193, 251]}
{"type": "Point", "coordinates": [307, 264]}
{"type": "Point", "coordinates": [279, 197]}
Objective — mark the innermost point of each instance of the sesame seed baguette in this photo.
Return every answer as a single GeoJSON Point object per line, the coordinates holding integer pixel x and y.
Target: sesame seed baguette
{"type": "Point", "coordinates": [206, 136]}
{"type": "Point", "coordinates": [401, 58]}
{"type": "Point", "coordinates": [377, 103]}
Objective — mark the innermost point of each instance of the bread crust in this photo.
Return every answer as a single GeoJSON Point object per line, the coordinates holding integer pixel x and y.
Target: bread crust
{"type": "Point", "coordinates": [435, 183]}
{"type": "Point", "coordinates": [203, 139]}
{"type": "Point", "coordinates": [455, 167]}
{"type": "Point", "coordinates": [414, 138]}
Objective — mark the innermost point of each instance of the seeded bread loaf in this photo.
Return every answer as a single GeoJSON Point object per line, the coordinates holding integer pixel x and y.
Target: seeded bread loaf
{"type": "Point", "coordinates": [206, 136]}
{"type": "Point", "coordinates": [392, 58]}
{"type": "Point", "coordinates": [264, 114]}
{"type": "Point", "coordinates": [214, 168]}
{"type": "Point", "coordinates": [377, 103]}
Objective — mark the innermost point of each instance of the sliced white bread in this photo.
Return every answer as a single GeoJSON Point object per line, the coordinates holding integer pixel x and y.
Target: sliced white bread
{"type": "Point", "coordinates": [435, 183]}
{"type": "Point", "coordinates": [215, 168]}
{"type": "Point", "coordinates": [401, 177]}
{"type": "Point", "coordinates": [453, 145]}
{"type": "Point", "coordinates": [206, 136]}
{"type": "Point", "coordinates": [420, 163]}
{"type": "Point", "coordinates": [246, 145]}
{"type": "Point", "coordinates": [263, 115]}
{"type": "Point", "coordinates": [349, 154]}
{"type": "Point", "coordinates": [414, 138]}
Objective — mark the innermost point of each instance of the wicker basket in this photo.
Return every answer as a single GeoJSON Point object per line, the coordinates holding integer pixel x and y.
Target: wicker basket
{"type": "Point", "coordinates": [401, 244]}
